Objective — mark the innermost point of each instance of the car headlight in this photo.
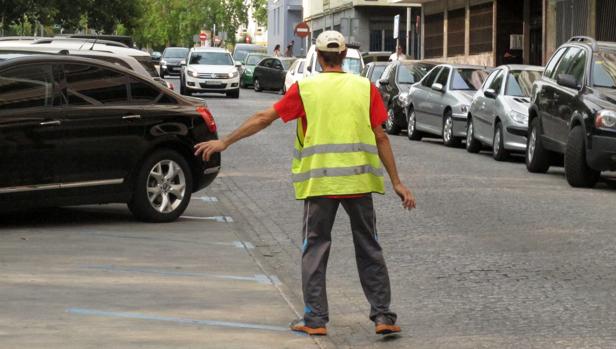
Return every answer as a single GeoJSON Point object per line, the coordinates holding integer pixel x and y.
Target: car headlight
{"type": "Point", "coordinates": [163, 62]}
{"type": "Point", "coordinates": [605, 119]}
{"type": "Point", "coordinates": [404, 99]}
{"type": "Point", "coordinates": [464, 109]}
{"type": "Point", "coordinates": [192, 73]}
{"type": "Point", "coordinates": [518, 117]}
{"type": "Point", "coordinates": [233, 74]}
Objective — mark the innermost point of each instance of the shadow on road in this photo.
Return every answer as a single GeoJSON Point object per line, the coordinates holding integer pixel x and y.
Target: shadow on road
{"type": "Point", "coordinates": [65, 216]}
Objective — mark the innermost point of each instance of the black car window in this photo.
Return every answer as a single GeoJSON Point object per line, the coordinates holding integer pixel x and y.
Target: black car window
{"type": "Point", "coordinates": [497, 82]}
{"type": "Point", "coordinates": [578, 66]}
{"type": "Point", "coordinates": [443, 76]}
{"type": "Point", "coordinates": [429, 79]}
{"type": "Point", "coordinates": [604, 69]}
{"type": "Point", "coordinates": [377, 71]}
{"type": "Point", "coordinates": [549, 69]}
{"type": "Point", "coordinates": [142, 93]}
{"type": "Point", "coordinates": [468, 79]}
{"type": "Point", "coordinates": [520, 82]}
{"type": "Point", "coordinates": [277, 65]}
{"type": "Point", "coordinates": [567, 62]}
{"type": "Point", "coordinates": [405, 76]}
{"type": "Point", "coordinates": [26, 87]}
{"type": "Point", "coordinates": [267, 63]}
{"type": "Point", "coordinates": [89, 84]}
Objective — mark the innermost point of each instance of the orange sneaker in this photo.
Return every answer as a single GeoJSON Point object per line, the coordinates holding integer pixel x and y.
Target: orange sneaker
{"type": "Point", "coordinates": [386, 329]}
{"type": "Point", "coordinates": [300, 326]}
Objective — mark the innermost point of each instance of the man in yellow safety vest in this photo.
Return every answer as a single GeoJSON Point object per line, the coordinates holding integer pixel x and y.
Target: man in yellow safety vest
{"type": "Point", "coordinates": [339, 148]}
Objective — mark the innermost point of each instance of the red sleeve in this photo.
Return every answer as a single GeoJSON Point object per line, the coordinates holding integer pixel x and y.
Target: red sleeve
{"type": "Point", "coordinates": [290, 107]}
{"type": "Point", "coordinates": [378, 113]}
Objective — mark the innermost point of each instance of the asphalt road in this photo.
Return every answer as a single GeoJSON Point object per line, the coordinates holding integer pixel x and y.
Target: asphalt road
{"type": "Point", "coordinates": [493, 256]}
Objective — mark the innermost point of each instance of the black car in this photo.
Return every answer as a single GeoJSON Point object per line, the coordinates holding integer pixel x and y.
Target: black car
{"type": "Point", "coordinates": [396, 80]}
{"type": "Point", "coordinates": [374, 70]}
{"type": "Point", "coordinates": [171, 60]}
{"type": "Point", "coordinates": [79, 131]}
{"type": "Point", "coordinates": [573, 112]}
{"type": "Point", "coordinates": [270, 73]}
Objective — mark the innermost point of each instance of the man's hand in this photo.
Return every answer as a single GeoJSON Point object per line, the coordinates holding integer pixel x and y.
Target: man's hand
{"type": "Point", "coordinates": [408, 200]}
{"type": "Point", "coordinates": [206, 149]}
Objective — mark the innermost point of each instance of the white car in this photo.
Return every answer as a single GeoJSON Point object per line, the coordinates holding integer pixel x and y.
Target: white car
{"type": "Point", "coordinates": [210, 69]}
{"type": "Point", "coordinates": [353, 63]}
{"type": "Point", "coordinates": [294, 74]}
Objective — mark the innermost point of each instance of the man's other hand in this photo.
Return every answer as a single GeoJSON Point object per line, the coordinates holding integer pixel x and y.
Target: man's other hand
{"type": "Point", "coordinates": [408, 200]}
{"type": "Point", "coordinates": [206, 149]}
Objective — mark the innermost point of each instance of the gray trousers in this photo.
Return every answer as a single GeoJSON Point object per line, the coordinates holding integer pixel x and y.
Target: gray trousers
{"type": "Point", "coordinates": [319, 216]}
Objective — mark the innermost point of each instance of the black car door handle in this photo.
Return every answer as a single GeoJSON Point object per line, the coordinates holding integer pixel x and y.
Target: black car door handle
{"type": "Point", "coordinates": [50, 123]}
{"type": "Point", "coordinates": [131, 117]}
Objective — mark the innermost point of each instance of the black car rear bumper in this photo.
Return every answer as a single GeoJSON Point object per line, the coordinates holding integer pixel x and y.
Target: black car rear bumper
{"type": "Point", "coordinates": [207, 172]}
{"type": "Point", "coordinates": [601, 155]}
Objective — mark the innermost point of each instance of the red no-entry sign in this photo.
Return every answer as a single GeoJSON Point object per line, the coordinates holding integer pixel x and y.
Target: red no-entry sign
{"type": "Point", "coordinates": [202, 36]}
{"type": "Point", "coordinates": [302, 30]}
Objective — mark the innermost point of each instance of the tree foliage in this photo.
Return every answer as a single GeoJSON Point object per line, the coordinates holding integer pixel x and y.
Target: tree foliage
{"type": "Point", "coordinates": [260, 11]}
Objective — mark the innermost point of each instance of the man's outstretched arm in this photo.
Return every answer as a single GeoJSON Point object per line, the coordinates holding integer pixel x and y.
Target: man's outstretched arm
{"type": "Point", "coordinates": [387, 158]}
{"type": "Point", "coordinates": [252, 125]}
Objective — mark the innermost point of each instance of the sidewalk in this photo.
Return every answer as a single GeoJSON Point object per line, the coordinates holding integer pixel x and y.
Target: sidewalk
{"type": "Point", "coordinates": [110, 282]}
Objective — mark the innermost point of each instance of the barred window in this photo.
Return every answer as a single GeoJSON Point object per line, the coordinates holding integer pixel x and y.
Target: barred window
{"type": "Point", "coordinates": [481, 28]}
{"type": "Point", "coordinates": [455, 32]}
{"type": "Point", "coordinates": [433, 35]}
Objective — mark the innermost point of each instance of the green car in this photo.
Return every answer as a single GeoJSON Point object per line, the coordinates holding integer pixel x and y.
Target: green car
{"type": "Point", "coordinates": [248, 67]}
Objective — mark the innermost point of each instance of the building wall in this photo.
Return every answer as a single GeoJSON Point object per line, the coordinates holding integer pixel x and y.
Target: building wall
{"type": "Point", "coordinates": [282, 17]}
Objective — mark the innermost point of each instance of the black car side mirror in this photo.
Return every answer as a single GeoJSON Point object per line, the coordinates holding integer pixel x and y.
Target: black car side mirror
{"type": "Point", "coordinates": [490, 93]}
{"type": "Point", "coordinates": [383, 82]}
{"type": "Point", "coordinates": [567, 80]}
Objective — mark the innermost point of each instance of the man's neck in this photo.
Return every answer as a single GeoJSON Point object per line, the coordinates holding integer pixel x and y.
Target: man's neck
{"type": "Point", "coordinates": [334, 69]}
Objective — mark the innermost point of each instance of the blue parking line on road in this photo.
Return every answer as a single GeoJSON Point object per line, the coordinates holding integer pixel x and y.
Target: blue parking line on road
{"type": "Point", "coordinates": [139, 316]}
{"type": "Point", "coordinates": [221, 219]}
{"type": "Point", "coordinates": [259, 278]}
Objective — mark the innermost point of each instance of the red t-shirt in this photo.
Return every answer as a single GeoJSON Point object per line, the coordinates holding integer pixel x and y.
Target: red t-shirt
{"type": "Point", "coordinates": [290, 107]}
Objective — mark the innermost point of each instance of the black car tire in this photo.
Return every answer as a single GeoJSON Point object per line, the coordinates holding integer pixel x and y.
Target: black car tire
{"type": "Point", "coordinates": [162, 73]}
{"type": "Point", "coordinates": [411, 126]}
{"type": "Point", "coordinates": [182, 88]}
{"type": "Point", "coordinates": [449, 141]}
{"type": "Point", "coordinates": [242, 84]}
{"type": "Point", "coordinates": [577, 172]}
{"type": "Point", "coordinates": [391, 126]}
{"type": "Point", "coordinates": [140, 204]}
{"type": "Point", "coordinates": [499, 153]}
{"type": "Point", "coordinates": [234, 94]}
{"type": "Point", "coordinates": [257, 85]}
{"type": "Point", "coordinates": [472, 144]}
{"type": "Point", "coordinates": [537, 158]}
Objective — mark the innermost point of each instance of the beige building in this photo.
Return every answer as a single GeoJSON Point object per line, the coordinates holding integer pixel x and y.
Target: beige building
{"type": "Point", "coordinates": [369, 23]}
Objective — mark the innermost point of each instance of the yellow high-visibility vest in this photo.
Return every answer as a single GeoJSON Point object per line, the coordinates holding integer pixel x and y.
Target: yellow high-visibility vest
{"type": "Point", "coordinates": [337, 153]}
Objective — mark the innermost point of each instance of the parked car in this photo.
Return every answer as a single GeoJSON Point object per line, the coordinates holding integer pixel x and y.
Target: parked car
{"type": "Point", "coordinates": [210, 69]}
{"type": "Point", "coordinates": [374, 70]}
{"type": "Point", "coordinates": [440, 102]}
{"type": "Point", "coordinates": [573, 112]}
{"type": "Point", "coordinates": [375, 56]}
{"type": "Point", "coordinates": [248, 67]}
{"type": "Point", "coordinates": [295, 73]}
{"type": "Point", "coordinates": [353, 62]}
{"type": "Point", "coordinates": [171, 60]}
{"type": "Point", "coordinates": [241, 51]}
{"type": "Point", "coordinates": [498, 116]}
{"type": "Point", "coordinates": [270, 73]}
{"type": "Point", "coordinates": [78, 131]}
{"type": "Point", "coordinates": [156, 56]}
{"type": "Point", "coordinates": [395, 83]}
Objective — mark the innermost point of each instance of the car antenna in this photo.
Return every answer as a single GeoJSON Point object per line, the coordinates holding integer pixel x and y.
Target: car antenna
{"type": "Point", "coordinates": [94, 43]}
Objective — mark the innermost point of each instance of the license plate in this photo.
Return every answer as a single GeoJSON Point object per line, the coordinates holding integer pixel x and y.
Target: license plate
{"type": "Point", "coordinates": [213, 83]}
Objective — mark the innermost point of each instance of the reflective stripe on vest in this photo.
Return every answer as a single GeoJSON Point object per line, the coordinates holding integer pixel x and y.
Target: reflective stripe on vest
{"type": "Point", "coordinates": [336, 154]}
{"type": "Point", "coordinates": [334, 148]}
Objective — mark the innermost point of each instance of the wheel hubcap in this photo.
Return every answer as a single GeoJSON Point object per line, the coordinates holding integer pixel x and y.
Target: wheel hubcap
{"type": "Point", "coordinates": [166, 186]}
{"type": "Point", "coordinates": [469, 134]}
{"type": "Point", "coordinates": [532, 144]}
{"type": "Point", "coordinates": [497, 139]}
{"type": "Point", "coordinates": [411, 125]}
{"type": "Point", "coordinates": [390, 119]}
{"type": "Point", "coordinates": [448, 129]}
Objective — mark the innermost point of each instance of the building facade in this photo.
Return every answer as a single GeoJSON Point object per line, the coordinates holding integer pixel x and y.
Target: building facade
{"type": "Point", "coordinates": [282, 17]}
{"type": "Point", "coordinates": [369, 23]}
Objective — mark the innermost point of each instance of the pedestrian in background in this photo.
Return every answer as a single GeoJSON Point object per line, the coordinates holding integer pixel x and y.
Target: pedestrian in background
{"type": "Point", "coordinates": [398, 55]}
{"type": "Point", "coordinates": [289, 51]}
{"type": "Point", "coordinates": [277, 51]}
{"type": "Point", "coordinates": [339, 149]}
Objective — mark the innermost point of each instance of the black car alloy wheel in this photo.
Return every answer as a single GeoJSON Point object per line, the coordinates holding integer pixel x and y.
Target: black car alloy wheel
{"type": "Point", "coordinates": [577, 171]}
{"type": "Point", "coordinates": [256, 85]}
{"type": "Point", "coordinates": [162, 188]}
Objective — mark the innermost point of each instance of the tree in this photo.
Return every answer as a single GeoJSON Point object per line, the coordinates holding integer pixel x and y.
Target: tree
{"type": "Point", "coordinates": [260, 11]}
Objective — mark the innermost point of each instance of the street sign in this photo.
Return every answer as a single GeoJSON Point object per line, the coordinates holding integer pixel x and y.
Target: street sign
{"type": "Point", "coordinates": [396, 26]}
{"type": "Point", "coordinates": [302, 30]}
{"type": "Point", "coordinates": [202, 36]}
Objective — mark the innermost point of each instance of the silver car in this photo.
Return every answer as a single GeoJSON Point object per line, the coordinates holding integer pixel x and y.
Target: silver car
{"type": "Point", "coordinates": [499, 112]}
{"type": "Point", "coordinates": [440, 102]}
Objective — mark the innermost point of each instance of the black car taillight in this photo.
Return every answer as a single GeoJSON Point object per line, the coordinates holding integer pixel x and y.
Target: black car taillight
{"type": "Point", "coordinates": [208, 118]}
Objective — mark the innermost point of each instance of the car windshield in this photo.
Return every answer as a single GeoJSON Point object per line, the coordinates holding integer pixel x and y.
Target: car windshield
{"type": "Point", "coordinates": [411, 73]}
{"type": "Point", "coordinates": [254, 59]}
{"type": "Point", "coordinates": [176, 52]}
{"type": "Point", "coordinates": [211, 58]}
{"type": "Point", "coordinates": [468, 79]}
{"type": "Point", "coordinates": [604, 69]}
{"type": "Point", "coordinates": [351, 65]}
{"type": "Point", "coordinates": [520, 82]}
{"type": "Point", "coordinates": [377, 72]}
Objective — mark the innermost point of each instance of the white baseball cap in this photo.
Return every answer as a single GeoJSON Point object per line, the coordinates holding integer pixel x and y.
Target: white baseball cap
{"type": "Point", "coordinates": [331, 41]}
